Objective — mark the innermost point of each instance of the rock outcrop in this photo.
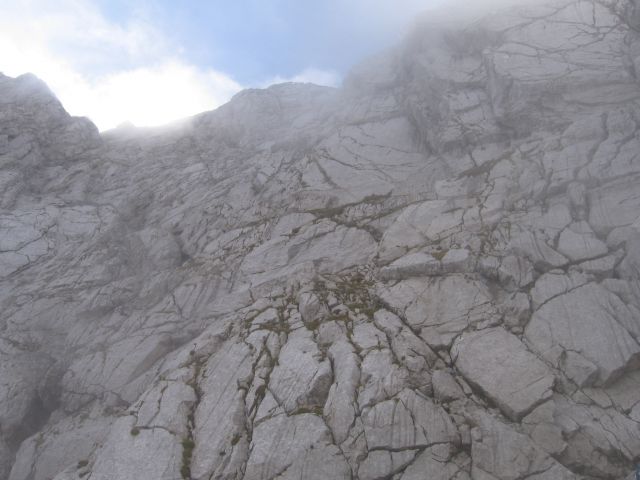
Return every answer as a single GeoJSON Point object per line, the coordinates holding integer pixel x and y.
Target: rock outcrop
{"type": "Point", "coordinates": [432, 272]}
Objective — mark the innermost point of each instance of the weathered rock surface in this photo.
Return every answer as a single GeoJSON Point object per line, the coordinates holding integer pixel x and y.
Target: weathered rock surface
{"type": "Point", "coordinates": [498, 364]}
{"type": "Point", "coordinates": [590, 332]}
{"type": "Point", "coordinates": [432, 272]}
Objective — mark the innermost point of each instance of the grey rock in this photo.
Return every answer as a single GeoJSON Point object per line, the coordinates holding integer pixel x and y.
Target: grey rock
{"type": "Point", "coordinates": [416, 226]}
{"type": "Point", "coordinates": [381, 378]}
{"type": "Point", "coordinates": [623, 394]}
{"type": "Point", "coordinates": [541, 426]}
{"type": "Point", "coordinates": [411, 350]}
{"type": "Point", "coordinates": [501, 452]}
{"type": "Point", "coordinates": [412, 265]}
{"type": "Point", "coordinates": [300, 443]}
{"type": "Point", "coordinates": [445, 387]}
{"type": "Point", "coordinates": [587, 333]}
{"type": "Point", "coordinates": [578, 242]}
{"type": "Point", "coordinates": [219, 413]}
{"type": "Point", "coordinates": [436, 463]}
{"type": "Point", "coordinates": [579, 424]}
{"type": "Point", "coordinates": [311, 308]}
{"type": "Point", "coordinates": [338, 283]}
{"type": "Point", "coordinates": [422, 264]}
{"type": "Point", "coordinates": [511, 271]}
{"type": "Point", "coordinates": [499, 365]}
{"type": "Point", "coordinates": [516, 309]}
{"type": "Point", "coordinates": [382, 462]}
{"type": "Point", "coordinates": [407, 421]}
{"type": "Point", "coordinates": [119, 457]}
{"type": "Point", "coordinates": [340, 409]}
{"type": "Point", "coordinates": [442, 307]}
{"type": "Point", "coordinates": [299, 381]}
{"type": "Point", "coordinates": [555, 283]}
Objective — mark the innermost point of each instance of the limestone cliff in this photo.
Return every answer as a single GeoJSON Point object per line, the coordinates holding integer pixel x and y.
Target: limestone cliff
{"type": "Point", "coordinates": [430, 273]}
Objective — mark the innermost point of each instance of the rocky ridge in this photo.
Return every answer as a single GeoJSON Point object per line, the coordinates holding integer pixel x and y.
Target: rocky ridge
{"type": "Point", "coordinates": [431, 272]}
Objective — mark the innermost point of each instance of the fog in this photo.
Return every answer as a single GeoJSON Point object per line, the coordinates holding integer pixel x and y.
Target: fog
{"type": "Point", "coordinates": [460, 12]}
{"type": "Point", "coordinates": [114, 71]}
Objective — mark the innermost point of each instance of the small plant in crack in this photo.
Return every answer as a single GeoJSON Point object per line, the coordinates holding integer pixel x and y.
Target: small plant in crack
{"type": "Point", "coordinates": [187, 452]}
{"type": "Point", "coordinates": [188, 444]}
{"type": "Point", "coordinates": [313, 410]}
{"type": "Point", "coordinates": [439, 255]}
{"type": "Point", "coordinates": [135, 431]}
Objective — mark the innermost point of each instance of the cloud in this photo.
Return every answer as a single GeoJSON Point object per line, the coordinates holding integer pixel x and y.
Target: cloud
{"type": "Point", "coordinates": [152, 95]}
{"type": "Point", "coordinates": [108, 72]}
{"type": "Point", "coordinates": [133, 70]}
{"type": "Point", "coordinates": [327, 78]}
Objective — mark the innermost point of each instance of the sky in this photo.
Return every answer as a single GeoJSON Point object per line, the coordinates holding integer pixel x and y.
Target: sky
{"type": "Point", "coordinates": [151, 62]}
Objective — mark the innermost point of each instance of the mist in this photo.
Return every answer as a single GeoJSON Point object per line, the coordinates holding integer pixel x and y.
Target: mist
{"type": "Point", "coordinates": [113, 68]}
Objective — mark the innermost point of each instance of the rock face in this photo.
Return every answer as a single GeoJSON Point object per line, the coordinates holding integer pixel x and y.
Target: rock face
{"type": "Point", "coordinates": [432, 272]}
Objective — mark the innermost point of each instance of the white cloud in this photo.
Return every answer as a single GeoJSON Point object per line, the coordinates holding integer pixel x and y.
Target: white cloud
{"type": "Point", "coordinates": [108, 72]}
{"type": "Point", "coordinates": [150, 95]}
{"type": "Point", "coordinates": [328, 78]}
